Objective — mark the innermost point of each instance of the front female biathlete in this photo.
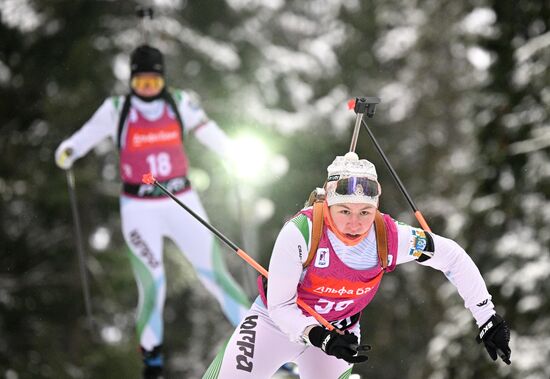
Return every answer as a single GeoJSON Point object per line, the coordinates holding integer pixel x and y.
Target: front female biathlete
{"type": "Point", "coordinates": [339, 283]}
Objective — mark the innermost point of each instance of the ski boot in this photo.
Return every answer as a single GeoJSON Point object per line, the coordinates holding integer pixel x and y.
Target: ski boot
{"type": "Point", "coordinates": [153, 363]}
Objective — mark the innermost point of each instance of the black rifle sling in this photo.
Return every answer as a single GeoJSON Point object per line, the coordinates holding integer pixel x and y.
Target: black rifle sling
{"type": "Point", "coordinates": [123, 115]}
{"type": "Point", "coordinates": [170, 100]}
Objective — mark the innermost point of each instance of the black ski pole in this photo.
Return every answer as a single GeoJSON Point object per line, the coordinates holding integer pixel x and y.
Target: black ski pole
{"type": "Point", "coordinates": [364, 105]}
{"type": "Point", "coordinates": [80, 248]}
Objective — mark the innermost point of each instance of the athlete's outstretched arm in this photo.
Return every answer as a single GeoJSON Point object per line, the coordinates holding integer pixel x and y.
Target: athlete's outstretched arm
{"type": "Point", "coordinates": [101, 125]}
{"type": "Point", "coordinates": [451, 259]}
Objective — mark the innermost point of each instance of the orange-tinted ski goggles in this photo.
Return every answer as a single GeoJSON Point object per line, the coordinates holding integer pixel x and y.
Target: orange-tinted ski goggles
{"type": "Point", "coordinates": [147, 82]}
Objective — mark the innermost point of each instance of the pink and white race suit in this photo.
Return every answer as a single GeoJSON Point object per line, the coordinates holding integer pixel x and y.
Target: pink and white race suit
{"type": "Point", "coordinates": [152, 141]}
{"type": "Point", "coordinates": [152, 146]}
{"type": "Point", "coordinates": [338, 283]}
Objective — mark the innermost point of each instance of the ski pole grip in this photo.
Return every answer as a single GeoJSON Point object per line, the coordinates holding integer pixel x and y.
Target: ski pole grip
{"type": "Point", "coordinates": [371, 105]}
{"type": "Point", "coordinates": [366, 105]}
{"type": "Point", "coordinates": [360, 105]}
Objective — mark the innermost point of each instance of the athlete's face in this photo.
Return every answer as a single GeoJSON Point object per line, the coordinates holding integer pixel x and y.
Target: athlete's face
{"type": "Point", "coordinates": [147, 84]}
{"type": "Point", "coordinates": [353, 220]}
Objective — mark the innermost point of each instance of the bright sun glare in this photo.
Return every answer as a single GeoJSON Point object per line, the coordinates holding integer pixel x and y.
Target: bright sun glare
{"type": "Point", "coordinates": [249, 157]}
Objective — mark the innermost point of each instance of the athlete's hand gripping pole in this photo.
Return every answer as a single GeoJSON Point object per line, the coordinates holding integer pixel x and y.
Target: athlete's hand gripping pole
{"type": "Point", "coordinates": [362, 105]}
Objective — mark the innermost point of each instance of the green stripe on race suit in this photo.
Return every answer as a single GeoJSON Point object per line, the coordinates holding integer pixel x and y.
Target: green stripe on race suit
{"type": "Point", "coordinates": [147, 285]}
{"type": "Point", "coordinates": [214, 369]}
{"type": "Point", "coordinates": [117, 102]}
{"type": "Point", "coordinates": [176, 94]}
{"type": "Point", "coordinates": [346, 374]}
{"type": "Point", "coordinates": [302, 223]}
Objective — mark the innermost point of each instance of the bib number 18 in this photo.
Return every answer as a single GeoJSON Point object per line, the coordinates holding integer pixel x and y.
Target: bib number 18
{"type": "Point", "coordinates": [159, 164]}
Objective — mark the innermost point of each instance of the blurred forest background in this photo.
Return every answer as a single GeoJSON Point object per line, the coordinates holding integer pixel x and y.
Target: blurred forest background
{"type": "Point", "coordinates": [464, 120]}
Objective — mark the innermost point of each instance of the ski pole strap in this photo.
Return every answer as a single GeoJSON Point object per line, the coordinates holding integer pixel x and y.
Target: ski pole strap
{"type": "Point", "coordinates": [316, 230]}
{"type": "Point", "coordinates": [381, 239]}
{"type": "Point", "coordinates": [347, 322]}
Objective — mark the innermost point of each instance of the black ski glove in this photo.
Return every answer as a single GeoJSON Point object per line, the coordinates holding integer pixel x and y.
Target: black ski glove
{"type": "Point", "coordinates": [343, 346]}
{"type": "Point", "coordinates": [495, 334]}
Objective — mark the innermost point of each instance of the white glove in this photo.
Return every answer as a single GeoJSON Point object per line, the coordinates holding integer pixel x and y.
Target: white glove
{"type": "Point", "coordinates": [64, 156]}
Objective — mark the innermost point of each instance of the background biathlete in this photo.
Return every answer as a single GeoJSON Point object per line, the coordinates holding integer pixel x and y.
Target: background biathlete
{"type": "Point", "coordinates": [149, 126]}
{"type": "Point", "coordinates": [340, 281]}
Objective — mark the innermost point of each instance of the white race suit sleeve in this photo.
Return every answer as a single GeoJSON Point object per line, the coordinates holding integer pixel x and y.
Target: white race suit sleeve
{"type": "Point", "coordinates": [454, 262]}
{"type": "Point", "coordinates": [101, 125]}
{"type": "Point", "coordinates": [205, 130]}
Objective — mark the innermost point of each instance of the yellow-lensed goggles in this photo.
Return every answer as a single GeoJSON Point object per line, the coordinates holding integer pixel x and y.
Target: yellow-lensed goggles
{"type": "Point", "coordinates": [147, 82]}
